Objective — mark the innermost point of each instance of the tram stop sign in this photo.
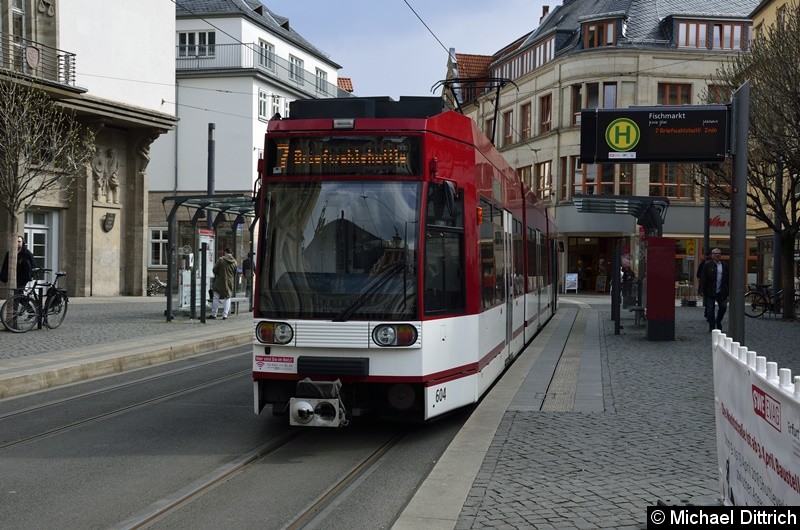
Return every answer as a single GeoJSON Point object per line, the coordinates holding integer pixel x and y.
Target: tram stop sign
{"type": "Point", "coordinates": [666, 133]}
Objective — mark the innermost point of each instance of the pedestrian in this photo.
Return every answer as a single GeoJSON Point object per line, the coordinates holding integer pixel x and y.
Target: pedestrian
{"type": "Point", "coordinates": [222, 284]}
{"type": "Point", "coordinates": [247, 273]}
{"type": "Point", "coordinates": [714, 281]}
{"type": "Point", "coordinates": [25, 265]}
{"type": "Point", "coordinates": [700, 270]}
{"type": "Point", "coordinates": [700, 266]}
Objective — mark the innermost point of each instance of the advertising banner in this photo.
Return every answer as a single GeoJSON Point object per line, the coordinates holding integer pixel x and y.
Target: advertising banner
{"type": "Point", "coordinates": [758, 428]}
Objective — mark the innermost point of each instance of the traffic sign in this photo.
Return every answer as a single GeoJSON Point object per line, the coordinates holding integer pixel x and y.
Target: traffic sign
{"type": "Point", "coordinates": [685, 133]}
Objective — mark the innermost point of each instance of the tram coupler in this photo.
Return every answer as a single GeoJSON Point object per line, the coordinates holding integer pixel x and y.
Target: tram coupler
{"type": "Point", "coordinates": [317, 404]}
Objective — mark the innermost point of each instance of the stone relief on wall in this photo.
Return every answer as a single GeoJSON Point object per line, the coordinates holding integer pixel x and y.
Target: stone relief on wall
{"type": "Point", "coordinates": [105, 173]}
{"type": "Point", "coordinates": [143, 150]}
{"type": "Point", "coordinates": [47, 6]}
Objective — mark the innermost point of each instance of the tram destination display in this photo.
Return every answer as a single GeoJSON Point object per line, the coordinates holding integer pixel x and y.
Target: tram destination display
{"type": "Point", "coordinates": [686, 133]}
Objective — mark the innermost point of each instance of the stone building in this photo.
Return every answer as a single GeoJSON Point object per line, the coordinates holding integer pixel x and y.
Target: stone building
{"type": "Point", "coordinates": [605, 54]}
{"type": "Point", "coordinates": [112, 63]}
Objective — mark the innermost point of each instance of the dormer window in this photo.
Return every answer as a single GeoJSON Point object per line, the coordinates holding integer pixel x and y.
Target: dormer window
{"type": "Point", "coordinates": [728, 36]}
{"type": "Point", "coordinates": [707, 34]}
{"type": "Point", "coordinates": [692, 35]}
{"type": "Point", "coordinates": [599, 34]}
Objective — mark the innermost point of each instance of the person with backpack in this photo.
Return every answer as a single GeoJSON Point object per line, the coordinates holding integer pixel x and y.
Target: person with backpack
{"type": "Point", "coordinates": [223, 283]}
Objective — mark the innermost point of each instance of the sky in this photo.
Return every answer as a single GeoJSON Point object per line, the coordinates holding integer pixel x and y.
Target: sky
{"type": "Point", "coordinates": [387, 51]}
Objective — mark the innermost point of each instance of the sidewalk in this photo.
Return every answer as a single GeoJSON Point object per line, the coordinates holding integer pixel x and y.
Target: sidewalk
{"type": "Point", "coordinates": [589, 428]}
{"type": "Point", "coordinates": [105, 335]}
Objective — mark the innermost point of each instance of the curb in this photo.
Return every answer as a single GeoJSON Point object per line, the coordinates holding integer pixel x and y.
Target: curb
{"type": "Point", "coordinates": [113, 359]}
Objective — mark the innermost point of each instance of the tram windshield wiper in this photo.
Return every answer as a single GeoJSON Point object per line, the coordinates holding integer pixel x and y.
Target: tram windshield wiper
{"type": "Point", "coordinates": [369, 290]}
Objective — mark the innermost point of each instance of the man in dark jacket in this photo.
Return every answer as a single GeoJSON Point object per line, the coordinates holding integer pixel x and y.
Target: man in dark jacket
{"type": "Point", "coordinates": [25, 265]}
{"type": "Point", "coordinates": [714, 281]}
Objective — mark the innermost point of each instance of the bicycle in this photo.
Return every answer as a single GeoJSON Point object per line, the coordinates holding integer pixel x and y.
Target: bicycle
{"type": "Point", "coordinates": [30, 307]}
{"type": "Point", "coordinates": [156, 287]}
{"type": "Point", "coordinates": [757, 301]}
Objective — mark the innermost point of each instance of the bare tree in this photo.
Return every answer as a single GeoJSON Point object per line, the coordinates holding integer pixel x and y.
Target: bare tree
{"type": "Point", "coordinates": [773, 184]}
{"type": "Point", "coordinates": [44, 150]}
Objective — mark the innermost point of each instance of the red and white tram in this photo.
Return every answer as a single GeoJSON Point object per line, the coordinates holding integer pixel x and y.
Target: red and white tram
{"type": "Point", "coordinates": [401, 264]}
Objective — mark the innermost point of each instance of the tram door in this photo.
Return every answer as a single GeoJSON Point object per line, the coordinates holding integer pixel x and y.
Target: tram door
{"type": "Point", "coordinates": [508, 249]}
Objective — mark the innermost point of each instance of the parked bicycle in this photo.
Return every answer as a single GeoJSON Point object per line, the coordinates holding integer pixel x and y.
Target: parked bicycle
{"type": "Point", "coordinates": [31, 307]}
{"type": "Point", "coordinates": [156, 286]}
{"type": "Point", "coordinates": [759, 300]}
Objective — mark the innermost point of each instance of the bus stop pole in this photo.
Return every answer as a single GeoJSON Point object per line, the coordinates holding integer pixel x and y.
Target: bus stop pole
{"type": "Point", "coordinates": [740, 121]}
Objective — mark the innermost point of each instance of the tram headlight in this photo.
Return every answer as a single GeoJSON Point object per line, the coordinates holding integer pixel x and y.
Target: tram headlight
{"type": "Point", "coordinates": [274, 332]}
{"type": "Point", "coordinates": [394, 335]}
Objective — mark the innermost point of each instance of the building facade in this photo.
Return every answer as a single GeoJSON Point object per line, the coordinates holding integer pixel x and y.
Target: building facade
{"type": "Point", "coordinates": [606, 54]}
{"type": "Point", "coordinates": [237, 65]}
{"type": "Point", "coordinates": [110, 63]}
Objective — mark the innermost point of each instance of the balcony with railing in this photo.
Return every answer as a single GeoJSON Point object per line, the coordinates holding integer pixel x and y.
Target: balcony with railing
{"type": "Point", "coordinates": [222, 57]}
{"type": "Point", "coordinates": [36, 60]}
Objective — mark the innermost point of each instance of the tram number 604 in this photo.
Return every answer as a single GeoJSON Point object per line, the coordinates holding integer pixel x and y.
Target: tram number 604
{"type": "Point", "coordinates": [441, 394]}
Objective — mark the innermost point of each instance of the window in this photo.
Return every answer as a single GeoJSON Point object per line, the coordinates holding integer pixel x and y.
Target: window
{"type": "Point", "coordinates": [692, 35]}
{"type": "Point", "coordinates": [196, 43]}
{"type": "Point", "coordinates": [525, 121]}
{"type": "Point", "coordinates": [674, 94]}
{"type": "Point", "coordinates": [492, 255]}
{"type": "Point", "coordinates": [625, 179]}
{"type": "Point", "coordinates": [576, 175]}
{"type": "Point", "coordinates": [508, 128]}
{"type": "Point", "coordinates": [728, 36]}
{"type": "Point", "coordinates": [606, 174]}
{"type": "Point", "coordinates": [158, 247]}
{"type": "Point", "coordinates": [266, 55]}
{"type": "Point", "coordinates": [602, 179]}
{"type": "Point", "coordinates": [543, 180]}
{"type": "Point", "coordinates": [525, 176]}
{"type": "Point", "coordinates": [599, 34]}
{"type": "Point", "coordinates": [263, 104]}
{"type": "Point", "coordinates": [286, 107]}
{"type": "Point", "coordinates": [545, 52]}
{"type": "Point", "coordinates": [276, 105]}
{"type": "Point", "coordinates": [577, 104]}
{"type": "Point", "coordinates": [592, 95]}
{"type": "Point", "coordinates": [545, 113]}
{"type": "Point", "coordinates": [444, 242]}
{"type": "Point", "coordinates": [322, 81]}
{"type": "Point", "coordinates": [490, 128]}
{"type": "Point", "coordinates": [296, 69]}
{"type": "Point", "coordinates": [609, 95]}
{"type": "Point", "coordinates": [672, 180]}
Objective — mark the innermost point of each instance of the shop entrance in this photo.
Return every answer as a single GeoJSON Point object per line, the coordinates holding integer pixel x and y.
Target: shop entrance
{"type": "Point", "coordinates": [590, 259]}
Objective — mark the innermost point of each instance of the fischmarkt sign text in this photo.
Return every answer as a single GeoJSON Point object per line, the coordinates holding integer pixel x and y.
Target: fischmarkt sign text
{"type": "Point", "coordinates": [686, 133]}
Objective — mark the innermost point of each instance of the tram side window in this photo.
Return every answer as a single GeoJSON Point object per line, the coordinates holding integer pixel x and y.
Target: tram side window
{"type": "Point", "coordinates": [492, 256]}
{"type": "Point", "coordinates": [533, 264]}
{"type": "Point", "coordinates": [519, 268]}
{"type": "Point", "coordinates": [444, 278]}
{"type": "Point", "coordinates": [445, 206]}
{"type": "Point", "coordinates": [444, 250]}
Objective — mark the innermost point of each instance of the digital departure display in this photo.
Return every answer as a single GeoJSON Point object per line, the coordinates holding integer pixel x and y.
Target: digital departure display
{"type": "Point", "coordinates": [345, 155]}
{"type": "Point", "coordinates": [686, 133]}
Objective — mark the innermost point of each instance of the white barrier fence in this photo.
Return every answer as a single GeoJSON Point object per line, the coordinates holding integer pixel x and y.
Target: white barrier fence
{"type": "Point", "coordinates": [757, 409]}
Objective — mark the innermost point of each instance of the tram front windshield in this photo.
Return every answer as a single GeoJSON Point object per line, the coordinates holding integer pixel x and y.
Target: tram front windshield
{"type": "Point", "coordinates": [340, 250]}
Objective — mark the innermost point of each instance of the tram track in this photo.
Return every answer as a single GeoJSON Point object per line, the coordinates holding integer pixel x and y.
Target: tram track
{"type": "Point", "coordinates": [309, 517]}
{"type": "Point", "coordinates": [316, 512]}
{"type": "Point", "coordinates": [158, 510]}
{"type": "Point", "coordinates": [119, 410]}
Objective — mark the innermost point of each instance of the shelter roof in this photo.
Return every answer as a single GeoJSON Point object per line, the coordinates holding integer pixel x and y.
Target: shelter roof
{"type": "Point", "coordinates": [650, 212]}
